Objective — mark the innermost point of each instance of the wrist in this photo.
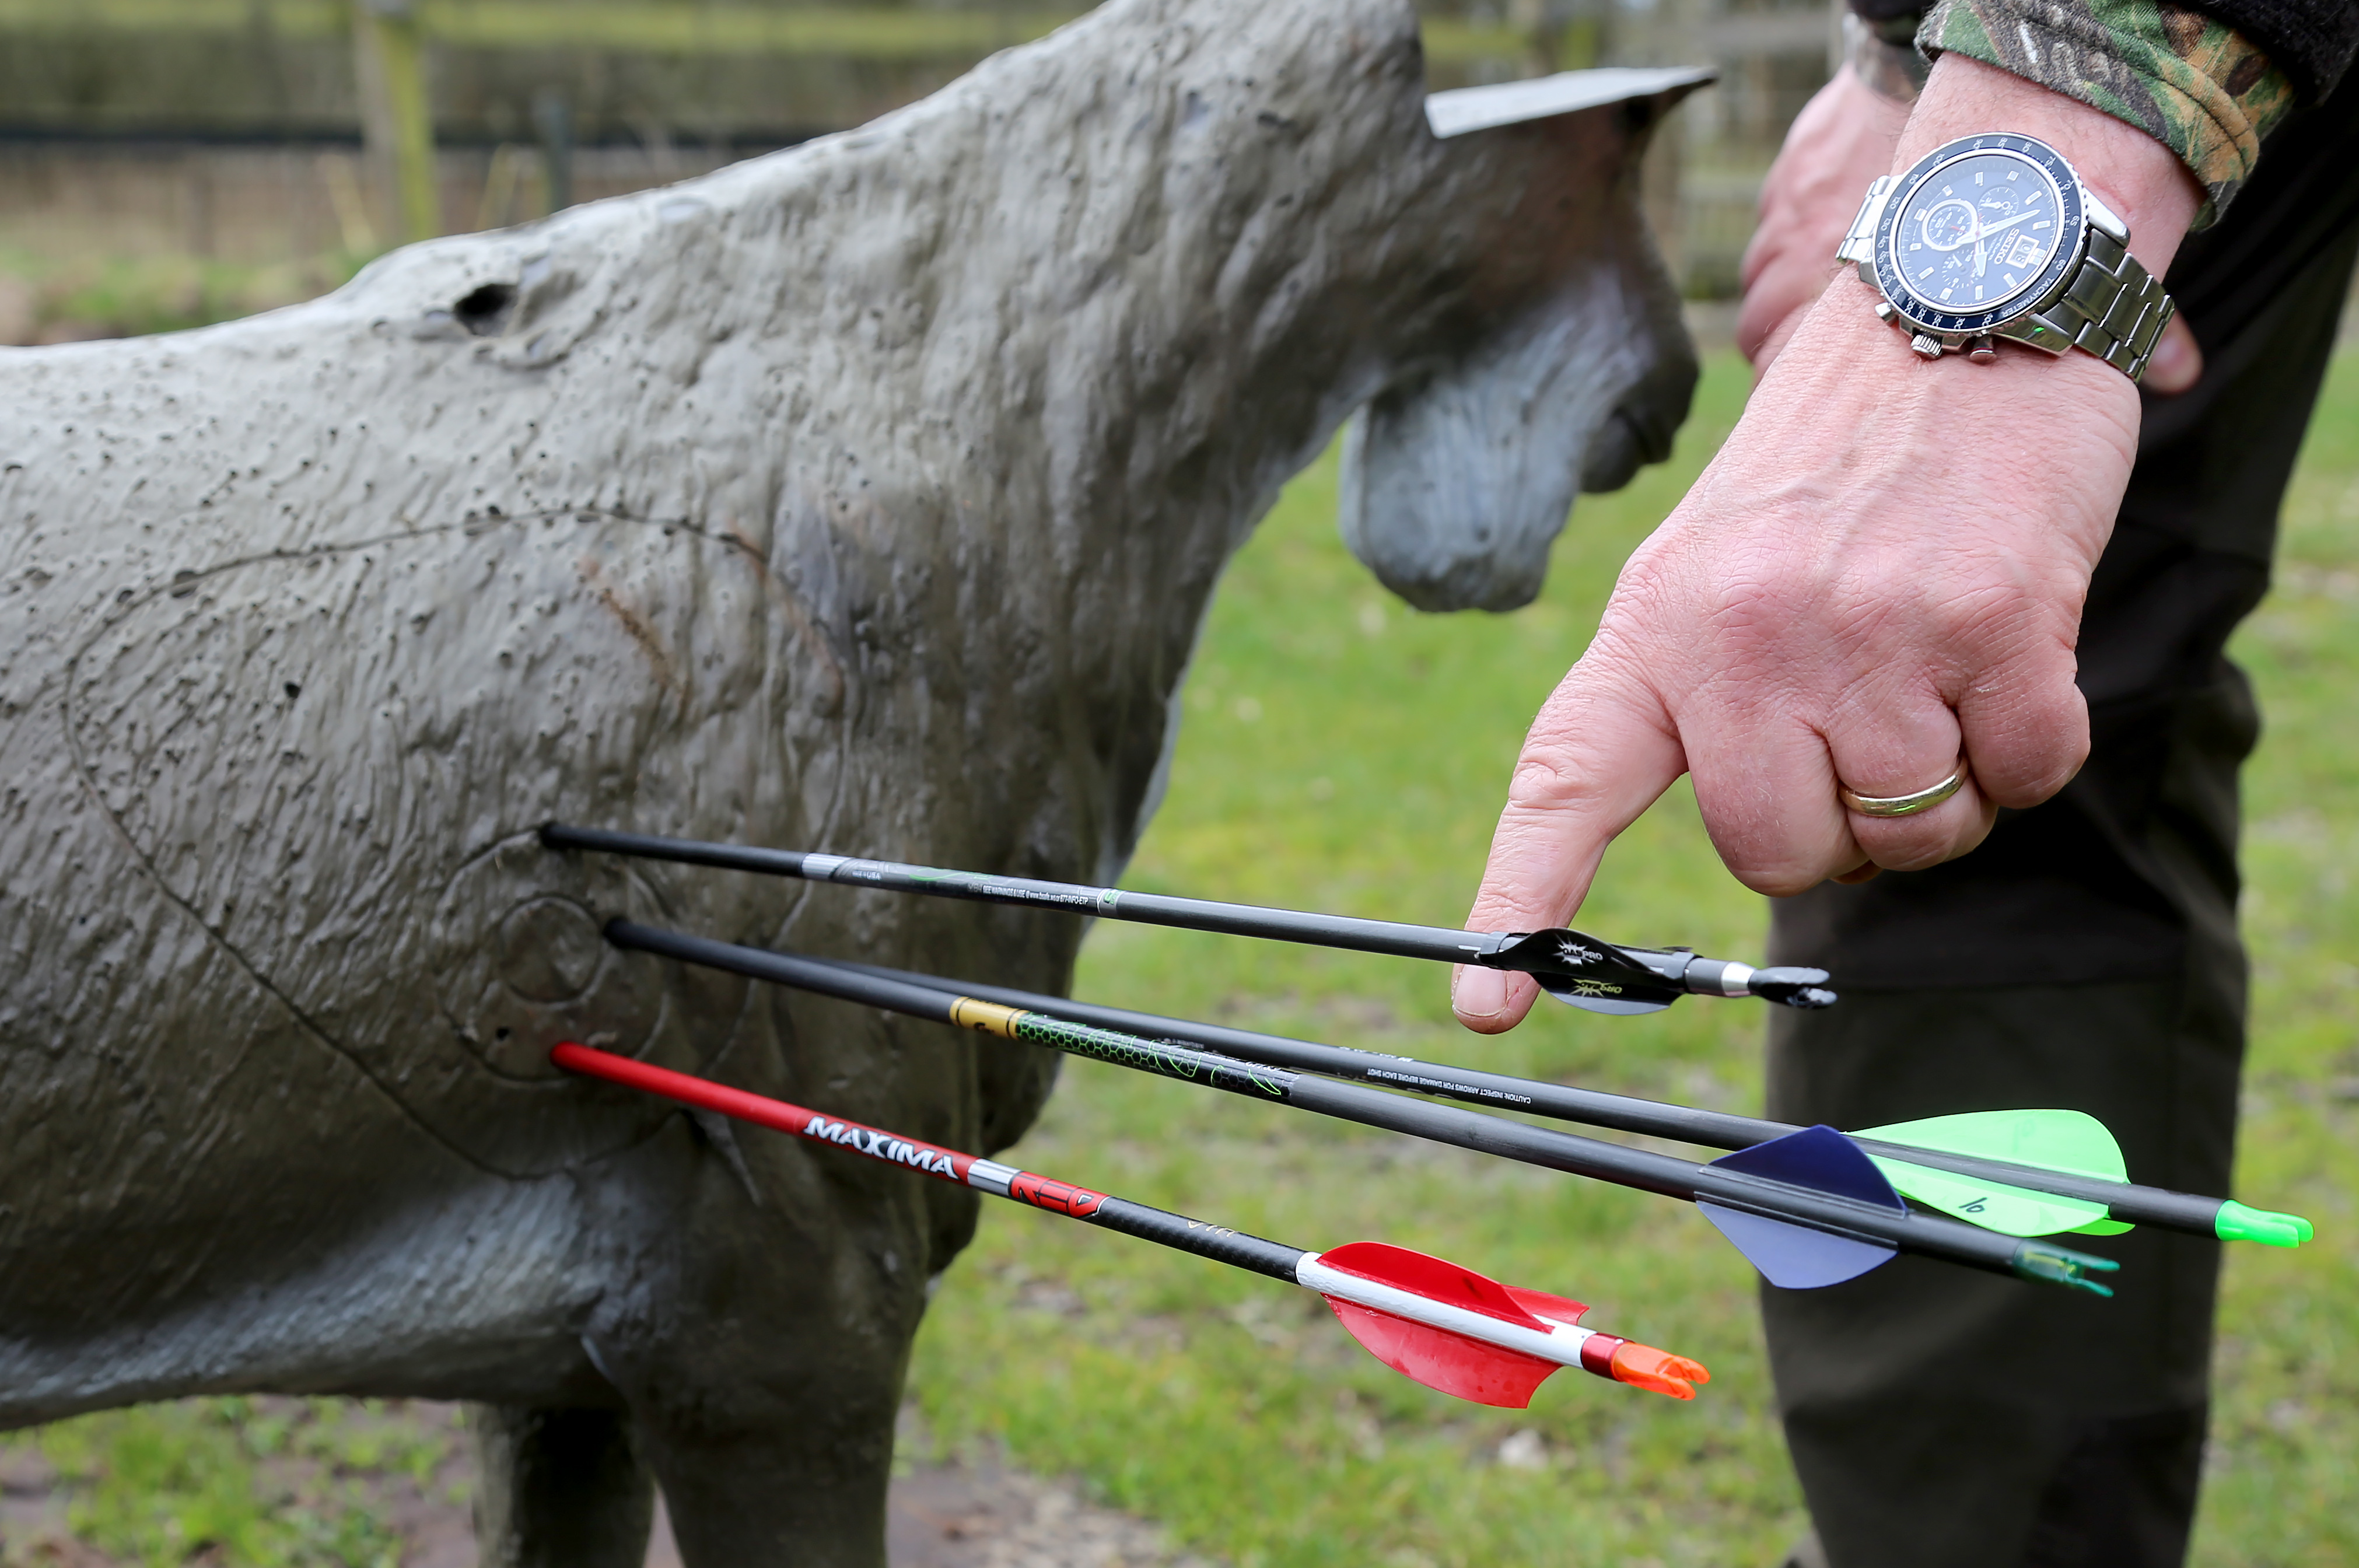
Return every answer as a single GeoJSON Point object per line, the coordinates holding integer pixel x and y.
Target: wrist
{"type": "Point", "coordinates": [2141, 180]}
{"type": "Point", "coordinates": [1844, 367]}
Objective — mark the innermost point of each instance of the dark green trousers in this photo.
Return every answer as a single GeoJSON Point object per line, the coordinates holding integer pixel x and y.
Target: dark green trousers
{"type": "Point", "coordinates": [2086, 956]}
{"type": "Point", "coordinates": [1940, 1417]}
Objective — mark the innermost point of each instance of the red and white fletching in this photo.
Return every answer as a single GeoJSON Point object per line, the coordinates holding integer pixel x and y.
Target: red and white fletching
{"type": "Point", "coordinates": [1469, 1335]}
{"type": "Point", "coordinates": [1448, 1327]}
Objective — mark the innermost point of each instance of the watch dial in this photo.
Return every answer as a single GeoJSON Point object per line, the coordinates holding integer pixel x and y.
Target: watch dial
{"type": "Point", "coordinates": [1977, 231]}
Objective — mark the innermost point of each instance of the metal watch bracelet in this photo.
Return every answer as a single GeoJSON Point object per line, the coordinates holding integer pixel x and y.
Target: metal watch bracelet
{"type": "Point", "coordinates": [2110, 305]}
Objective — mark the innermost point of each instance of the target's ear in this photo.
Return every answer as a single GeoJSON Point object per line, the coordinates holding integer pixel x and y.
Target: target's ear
{"type": "Point", "coordinates": [1464, 109]}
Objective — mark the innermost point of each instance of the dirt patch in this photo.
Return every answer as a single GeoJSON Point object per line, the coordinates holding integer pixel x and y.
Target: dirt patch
{"type": "Point", "coordinates": [391, 1484]}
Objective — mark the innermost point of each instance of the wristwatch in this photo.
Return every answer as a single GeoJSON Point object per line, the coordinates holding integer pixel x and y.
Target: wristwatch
{"type": "Point", "coordinates": [1995, 237]}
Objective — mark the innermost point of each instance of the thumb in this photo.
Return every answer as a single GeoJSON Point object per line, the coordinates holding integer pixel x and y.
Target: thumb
{"type": "Point", "coordinates": [1603, 749]}
{"type": "Point", "coordinates": [2176, 363]}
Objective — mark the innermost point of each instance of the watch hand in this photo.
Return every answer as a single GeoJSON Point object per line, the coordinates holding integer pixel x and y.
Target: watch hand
{"type": "Point", "coordinates": [1979, 257]}
{"type": "Point", "coordinates": [2010, 223]}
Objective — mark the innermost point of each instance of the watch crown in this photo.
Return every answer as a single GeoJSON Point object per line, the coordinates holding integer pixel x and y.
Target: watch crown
{"type": "Point", "coordinates": [1884, 312]}
{"type": "Point", "coordinates": [1925, 346]}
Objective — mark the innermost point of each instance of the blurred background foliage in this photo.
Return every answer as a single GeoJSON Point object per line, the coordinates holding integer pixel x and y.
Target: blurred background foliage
{"type": "Point", "coordinates": [169, 162]}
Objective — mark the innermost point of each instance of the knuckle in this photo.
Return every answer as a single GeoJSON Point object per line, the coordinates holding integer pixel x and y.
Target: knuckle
{"type": "Point", "coordinates": [1551, 780]}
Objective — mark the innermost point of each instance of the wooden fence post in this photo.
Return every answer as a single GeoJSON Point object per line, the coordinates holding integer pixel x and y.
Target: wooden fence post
{"type": "Point", "coordinates": [390, 58]}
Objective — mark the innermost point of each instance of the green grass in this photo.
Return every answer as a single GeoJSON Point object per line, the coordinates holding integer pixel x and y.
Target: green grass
{"type": "Point", "coordinates": [258, 1483]}
{"type": "Point", "coordinates": [1344, 754]}
{"type": "Point", "coordinates": [2286, 1436]}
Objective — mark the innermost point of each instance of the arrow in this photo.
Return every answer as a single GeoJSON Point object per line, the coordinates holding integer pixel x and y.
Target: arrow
{"type": "Point", "coordinates": [1596, 975]}
{"type": "Point", "coordinates": [2031, 1172]}
{"type": "Point", "coordinates": [1807, 1209]}
{"type": "Point", "coordinates": [1431, 1319]}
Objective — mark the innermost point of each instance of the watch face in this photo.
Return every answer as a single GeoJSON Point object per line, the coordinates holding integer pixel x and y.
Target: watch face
{"type": "Point", "coordinates": [1976, 233]}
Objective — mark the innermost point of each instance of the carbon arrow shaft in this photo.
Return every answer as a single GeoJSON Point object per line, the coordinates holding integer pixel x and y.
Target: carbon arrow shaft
{"type": "Point", "coordinates": [1581, 968]}
{"type": "Point", "coordinates": [1343, 1276]}
{"type": "Point", "coordinates": [2130, 1202]}
{"type": "Point", "coordinates": [1927, 1235]}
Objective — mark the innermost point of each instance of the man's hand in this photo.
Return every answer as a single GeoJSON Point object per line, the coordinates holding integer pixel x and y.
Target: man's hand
{"type": "Point", "coordinates": [1880, 574]}
{"type": "Point", "coordinates": [1841, 142]}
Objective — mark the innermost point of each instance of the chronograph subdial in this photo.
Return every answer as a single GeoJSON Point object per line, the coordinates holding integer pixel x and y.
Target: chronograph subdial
{"type": "Point", "coordinates": [1948, 224]}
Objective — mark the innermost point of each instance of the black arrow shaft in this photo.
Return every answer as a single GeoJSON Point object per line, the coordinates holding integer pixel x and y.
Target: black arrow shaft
{"type": "Point", "coordinates": [1930, 1236]}
{"type": "Point", "coordinates": [2129, 1202]}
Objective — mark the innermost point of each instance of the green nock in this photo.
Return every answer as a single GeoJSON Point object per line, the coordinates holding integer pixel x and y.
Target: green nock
{"type": "Point", "coordinates": [2237, 1222]}
{"type": "Point", "coordinates": [2058, 1267]}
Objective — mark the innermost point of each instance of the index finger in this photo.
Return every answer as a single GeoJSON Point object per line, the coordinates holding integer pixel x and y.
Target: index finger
{"type": "Point", "coordinates": [1602, 751]}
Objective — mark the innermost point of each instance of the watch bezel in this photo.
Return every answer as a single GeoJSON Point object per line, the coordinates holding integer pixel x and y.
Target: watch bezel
{"type": "Point", "coordinates": [1927, 316]}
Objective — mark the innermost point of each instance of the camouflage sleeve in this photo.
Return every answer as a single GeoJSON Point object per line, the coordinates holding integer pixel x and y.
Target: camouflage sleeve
{"type": "Point", "coordinates": [2196, 85]}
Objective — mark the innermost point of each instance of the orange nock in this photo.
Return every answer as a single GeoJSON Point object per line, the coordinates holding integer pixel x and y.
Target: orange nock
{"type": "Point", "coordinates": [1644, 1367]}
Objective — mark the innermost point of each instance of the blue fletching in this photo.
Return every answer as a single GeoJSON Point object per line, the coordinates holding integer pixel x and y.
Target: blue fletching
{"type": "Point", "coordinates": [1819, 1158]}
{"type": "Point", "coordinates": [1792, 1255]}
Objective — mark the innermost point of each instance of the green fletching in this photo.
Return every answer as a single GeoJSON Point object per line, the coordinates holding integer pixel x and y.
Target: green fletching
{"type": "Point", "coordinates": [2010, 1211]}
{"type": "Point", "coordinates": [2071, 1141]}
{"type": "Point", "coordinates": [2237, 1222]}
{"type": "Point", "coordinates": [2054, 1140]}
{"type": "Point", "coordinates": [2103, 1227]}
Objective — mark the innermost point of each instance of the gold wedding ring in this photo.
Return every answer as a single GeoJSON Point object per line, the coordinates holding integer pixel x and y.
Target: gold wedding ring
{"type": "Point", "coordinates": [1901, 805]}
